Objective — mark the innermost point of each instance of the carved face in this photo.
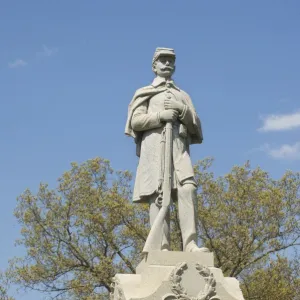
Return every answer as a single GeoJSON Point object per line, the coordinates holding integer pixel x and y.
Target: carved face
{"type": "Point", "coordinates": [164, 66]}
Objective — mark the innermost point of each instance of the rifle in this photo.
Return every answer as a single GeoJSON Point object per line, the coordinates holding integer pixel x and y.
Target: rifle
{"type": "Point", "coordinates": [154, 238]}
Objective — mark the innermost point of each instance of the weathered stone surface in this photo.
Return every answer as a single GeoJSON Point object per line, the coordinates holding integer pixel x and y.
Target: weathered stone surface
{"type": "Point", "coordinates": [164, 123]}
{"type": "Point", "coordinates": [171, 258]}
{"type": "Point", "coordinates": [176, 275]}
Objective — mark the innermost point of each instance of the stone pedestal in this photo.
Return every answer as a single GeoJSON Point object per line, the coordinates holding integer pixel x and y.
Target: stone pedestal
{"type": "Point", "coordinates": [167, 275]}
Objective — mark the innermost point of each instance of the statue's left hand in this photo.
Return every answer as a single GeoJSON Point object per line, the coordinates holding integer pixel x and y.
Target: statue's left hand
{"type": "Point", "coordinates": [173, 104]}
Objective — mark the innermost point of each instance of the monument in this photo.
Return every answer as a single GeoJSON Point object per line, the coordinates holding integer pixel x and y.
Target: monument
{"type": "Point", "coordinates": [164, 123]}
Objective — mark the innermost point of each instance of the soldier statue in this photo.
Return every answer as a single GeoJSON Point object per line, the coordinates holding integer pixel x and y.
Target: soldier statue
{"type": "Point", "coordinates": [151, 108]}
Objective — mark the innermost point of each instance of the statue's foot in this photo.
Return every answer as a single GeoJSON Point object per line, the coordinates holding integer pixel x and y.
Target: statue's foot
{"type": "Point", "coordinates": [192, 247]}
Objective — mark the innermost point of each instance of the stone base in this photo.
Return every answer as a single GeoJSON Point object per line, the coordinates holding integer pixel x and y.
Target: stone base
{"type": "Point", "coordinates": [167, 275]}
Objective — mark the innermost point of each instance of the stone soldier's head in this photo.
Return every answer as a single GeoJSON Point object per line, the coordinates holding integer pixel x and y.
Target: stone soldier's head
{"type": "Point", "coordinates": [163, 63]}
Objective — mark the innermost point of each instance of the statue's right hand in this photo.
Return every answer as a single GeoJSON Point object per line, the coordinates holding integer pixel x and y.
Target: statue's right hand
{"type": "Point", "coordinates": [169, 115]}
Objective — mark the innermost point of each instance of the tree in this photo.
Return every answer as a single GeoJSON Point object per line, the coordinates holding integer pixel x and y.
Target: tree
{"type": "Point", "coordinates": [278, 280]}
{"type": "Point", "coordinates": [246, 216]}
{"type": "Point", "coordinates": [4, 285]}
{"type": "Point", "coordinates": [81, 234]}
{"type": "Point", "coordinates": [3, 294]}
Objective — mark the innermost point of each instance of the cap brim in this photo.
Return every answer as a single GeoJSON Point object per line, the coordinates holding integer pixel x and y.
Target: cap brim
{"type": "Point", "coordinates": [165, 53]}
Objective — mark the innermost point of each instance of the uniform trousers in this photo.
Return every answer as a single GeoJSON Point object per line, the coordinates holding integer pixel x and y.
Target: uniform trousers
{"type": "Point", "coordinates": [185, 194]}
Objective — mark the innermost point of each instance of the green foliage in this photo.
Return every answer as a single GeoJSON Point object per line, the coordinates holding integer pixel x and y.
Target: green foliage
{"type": "Point", "coordinates": [4, 285]}
{"type": "Point", "coordinates": [81, 234]}
{"type": "Point", "coordinates": [246, 216]}
{"type": "Point", "coordinates": [3, 294]}
{"type": "Point", "coordinates": [277, 281]}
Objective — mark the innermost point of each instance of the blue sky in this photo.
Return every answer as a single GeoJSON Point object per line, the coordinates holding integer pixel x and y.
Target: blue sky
{"type": "Point", "coordinates": [68, 70]}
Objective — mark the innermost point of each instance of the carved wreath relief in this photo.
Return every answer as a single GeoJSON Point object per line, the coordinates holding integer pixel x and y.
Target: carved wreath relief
{"type": "Point", "coordinates": [117, 292]}
{"type": "Point", "coordinates": [180, 293]}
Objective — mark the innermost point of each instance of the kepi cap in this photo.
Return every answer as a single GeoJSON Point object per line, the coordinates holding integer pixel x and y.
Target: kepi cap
{"type": "Point", "coordinates": [163, 51]}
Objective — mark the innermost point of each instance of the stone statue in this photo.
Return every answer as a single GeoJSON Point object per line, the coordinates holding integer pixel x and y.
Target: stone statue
{"type": "Point", "coordinates": [164, 123]}
{"type": "Point", "coordinates": [151, 108]}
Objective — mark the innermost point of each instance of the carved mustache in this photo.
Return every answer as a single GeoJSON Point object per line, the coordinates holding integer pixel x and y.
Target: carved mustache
{"type": "Point", "coordinates": [168, 68]}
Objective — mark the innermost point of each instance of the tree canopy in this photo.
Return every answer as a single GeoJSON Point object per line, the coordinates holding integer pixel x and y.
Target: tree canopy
{"type": "Point", "coordinates": [81, 234]}
{"type": "Point", "coordinates": [4, 286]}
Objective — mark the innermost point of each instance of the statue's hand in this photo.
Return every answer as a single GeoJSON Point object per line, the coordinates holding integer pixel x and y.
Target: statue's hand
{"type": "Point", "coordinates": [173, 104]}
{"type": "Point", "coordinates": [169, 115]}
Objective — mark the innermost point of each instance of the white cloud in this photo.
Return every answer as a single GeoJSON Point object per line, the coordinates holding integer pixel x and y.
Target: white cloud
{"type": "Point", "coordinates": [280, 122]}
{"type": "Point", "coordinates": [18, 63]}
{"type": "Point", "coordinates": [288, 152]}
{"type": "Point", "coordinates": [47, 51]}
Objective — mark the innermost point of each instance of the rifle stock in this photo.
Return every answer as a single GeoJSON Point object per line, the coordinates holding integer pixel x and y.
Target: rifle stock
{"type": "Point", "coordinates": [154, 238]}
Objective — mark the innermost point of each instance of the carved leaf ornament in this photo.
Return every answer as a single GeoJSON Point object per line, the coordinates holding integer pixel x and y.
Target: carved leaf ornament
{"type": "Point", "coordinates": [180, 293]}
{"type": "Point", "coordinates": [117, 292]}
